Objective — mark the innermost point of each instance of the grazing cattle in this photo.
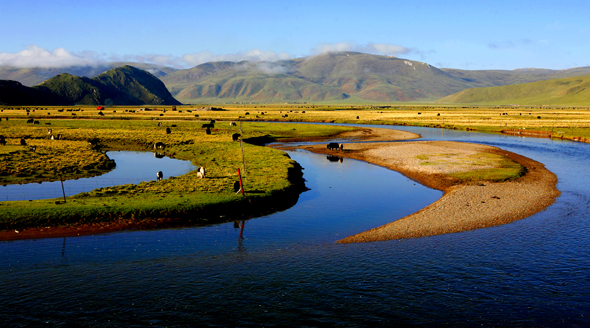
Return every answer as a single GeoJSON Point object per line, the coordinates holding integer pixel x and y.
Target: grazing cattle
{"type": "Point", "coordinates": [59, 137]}
{"type": "Point", "coordinates": [159, 175]}
{"type": "Point", "coordinates": [49, 131]}
{"type": "Point", "coordinates": [168, 131]}
{"type": "Point", "coordinates": [333, 146]}
{"type": "Point", "coordinates": [341, 146]}
{"type": "Point", "coordinates": [173, 125]}
{"type": "Point", "coordinates": [235, 137]}
{"type": "Point", "coordinates": [237, 187]}
{"type": "Point", "coordinates": [232, 123]}
{"type": "Point", "coordinates": [159, 145]}
{"type": "Point", "coordinates": [201, 173]}
{"type": "Point", "coordinates": [35, 122]}
{"type": "Point", "coordinates": [93, 141]}
{"type": "Point", "coordinates": [357, 117]}
{"type": "Point", "coordinates": [30, 120]}
{"type": "Point", "coordinates": [208, 131]}
{"type": "Point", "coordinates": [207, 125]}
{"type": "Point", "coordinates": [34, 148]}
{"type": "Point", "coordinates": [2, 141]}
{"type": "Point", "coordinates": [52, 137]}
{"type": "Point", "coordinates": [160, 124]}
{"type": "Point", "coordinates": [23, 142]}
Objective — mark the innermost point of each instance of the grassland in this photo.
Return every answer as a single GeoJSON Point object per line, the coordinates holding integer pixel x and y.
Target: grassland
{"type": "Point", "coordinates": [267, 171]}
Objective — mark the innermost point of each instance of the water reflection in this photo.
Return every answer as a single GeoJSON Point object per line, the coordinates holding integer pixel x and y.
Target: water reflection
{"type": "Point", "coordinates": [287, 270]}
{"type": "Point", "coordinates": [132, 167]}
{"type": "Point", "coordinates": [333, 158]}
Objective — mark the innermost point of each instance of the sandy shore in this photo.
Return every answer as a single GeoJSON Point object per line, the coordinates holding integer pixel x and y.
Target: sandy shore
{"type": "Point", "coordinates": [463, 207]}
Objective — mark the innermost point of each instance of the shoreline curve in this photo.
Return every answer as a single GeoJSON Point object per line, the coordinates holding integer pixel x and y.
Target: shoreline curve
{"type": "Point", "coordinates": [462, 207]}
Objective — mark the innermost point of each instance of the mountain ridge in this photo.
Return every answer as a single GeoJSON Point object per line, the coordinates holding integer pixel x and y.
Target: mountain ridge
{"type": "Point", "coordinates": [335, 77]}
{"type": "Point", "coordinates": [124, 85]}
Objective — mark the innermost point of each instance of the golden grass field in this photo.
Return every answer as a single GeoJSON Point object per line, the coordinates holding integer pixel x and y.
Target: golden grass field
{"type": "Point", "coordinates": [129, 128]}
{"type": "Point", "coordinates": [562, 122]}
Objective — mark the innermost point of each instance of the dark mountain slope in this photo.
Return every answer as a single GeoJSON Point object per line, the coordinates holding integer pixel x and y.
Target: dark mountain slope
{"type": "Point", "coordinates": [13, 93]}
{"type": "Point", "coordinates": [125, 85]}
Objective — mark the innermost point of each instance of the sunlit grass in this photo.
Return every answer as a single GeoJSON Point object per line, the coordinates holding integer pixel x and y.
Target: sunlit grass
{"type": "Point", "coordinates": [266, 172]}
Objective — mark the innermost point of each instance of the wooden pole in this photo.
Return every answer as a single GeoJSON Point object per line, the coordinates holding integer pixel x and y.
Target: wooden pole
{"type": "Point", "coordinates": [242, 147]}
{"type": "Point", "coordinates": [62, 188]}
{"type": "Point", "coordinates": [241, 185]}
{"type": "Point", "coordinates": [242, 229]}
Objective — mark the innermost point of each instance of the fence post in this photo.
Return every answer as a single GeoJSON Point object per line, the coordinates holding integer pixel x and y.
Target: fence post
{"type": "Point", "coordinates": [62, 188]}
{"type": "Point", "coordinates": [241, 185]}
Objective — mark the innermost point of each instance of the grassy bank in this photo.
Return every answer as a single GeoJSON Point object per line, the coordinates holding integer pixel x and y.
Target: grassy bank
{"type": "Point", "coordinates": [562, 122]}
{"type": "Point", "coordinates": [268, 174]}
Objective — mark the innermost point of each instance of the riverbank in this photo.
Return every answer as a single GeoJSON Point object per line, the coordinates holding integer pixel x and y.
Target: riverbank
{"type": "Point", "coordinates": [466, 205]}
{"type": "Point", "coordinates": [272, 181]}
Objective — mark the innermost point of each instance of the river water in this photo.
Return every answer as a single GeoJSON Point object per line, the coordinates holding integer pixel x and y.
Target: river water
{"type": "Point", "coordinates": [288, 271]}
{"type": "Point", "coordinates": [132, 167]}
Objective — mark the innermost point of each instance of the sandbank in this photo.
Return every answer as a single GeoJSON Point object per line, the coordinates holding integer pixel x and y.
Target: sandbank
{"type": "Point", "coordinates": [463, 207]}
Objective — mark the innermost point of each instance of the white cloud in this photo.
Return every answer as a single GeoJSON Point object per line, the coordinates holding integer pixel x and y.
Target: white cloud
{"type": "Point", "coordinates": [373, 48]}
{"type": "Point", "coordinates": [384, 49]}
{"type": "Point", "coordinates": [331, 47]}
{"type": "Point", "coordinates": [253, 55]}
{"type": "Point", "coordinates": [35, 56]}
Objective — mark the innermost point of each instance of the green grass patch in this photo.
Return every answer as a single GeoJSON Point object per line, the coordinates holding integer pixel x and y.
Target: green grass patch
{"type": "Point", "coordinates": [505, 169]}
{"type": "Point", "coordinates": [267, 173]}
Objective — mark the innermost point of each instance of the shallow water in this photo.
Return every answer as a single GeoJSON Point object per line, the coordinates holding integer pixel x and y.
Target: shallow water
{"type": "Point", "coordinates": [287, 271]}
{"type": "Point", "coordinates": [132, 167]}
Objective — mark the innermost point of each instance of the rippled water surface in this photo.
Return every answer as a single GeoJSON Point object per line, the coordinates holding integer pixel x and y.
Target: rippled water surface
{"type": "Point", "coordinates": [287, 271]}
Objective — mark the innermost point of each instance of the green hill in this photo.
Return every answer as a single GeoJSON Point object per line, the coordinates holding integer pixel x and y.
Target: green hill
{"type": "Point", "coordinates": [125, 85]}
{"type": "Point", "coordinates": [34, 76]}
{"type": "Point", "coordinates": [571, 91]}
{"type": "Point", "coordinates": [13, 93]}
{"type": "Point", "coordinates": [327, 77]}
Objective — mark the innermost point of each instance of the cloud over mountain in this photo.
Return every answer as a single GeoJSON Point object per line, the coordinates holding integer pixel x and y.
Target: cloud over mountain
{"type": "Point", "coordinates": [371, 47]}
{"type": "Point", "coordinates": [34, 56]}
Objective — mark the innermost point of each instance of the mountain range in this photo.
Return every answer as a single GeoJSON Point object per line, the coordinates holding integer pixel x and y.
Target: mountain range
{"type": "Point", "coordinates": [124, 85]}
{"type": "Point", "coordinates": [332, 77]}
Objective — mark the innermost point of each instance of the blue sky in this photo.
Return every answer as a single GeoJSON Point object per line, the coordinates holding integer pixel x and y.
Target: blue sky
{"type": "Point", "coordinates": [451, 34]}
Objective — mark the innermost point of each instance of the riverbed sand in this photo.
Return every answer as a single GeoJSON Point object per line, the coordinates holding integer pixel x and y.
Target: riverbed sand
{"type": "Point", "coordinates": [463, 207]}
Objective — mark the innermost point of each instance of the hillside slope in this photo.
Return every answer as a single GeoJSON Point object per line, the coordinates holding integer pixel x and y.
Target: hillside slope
{"type": "Point", "coordinates": [332, 76]}
{"type": "Point", "coordinates": [572, 91]}
{"type": "Point", "coordinates": [13, 93]}
{"type": "Point", "coordinates": [36, 75]}
{"type": "Point", "coordinates": [125, 85]}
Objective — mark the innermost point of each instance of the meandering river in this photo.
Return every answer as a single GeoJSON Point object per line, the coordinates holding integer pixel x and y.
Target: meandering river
{"type": "Point", "coordinates": [287, 270]}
